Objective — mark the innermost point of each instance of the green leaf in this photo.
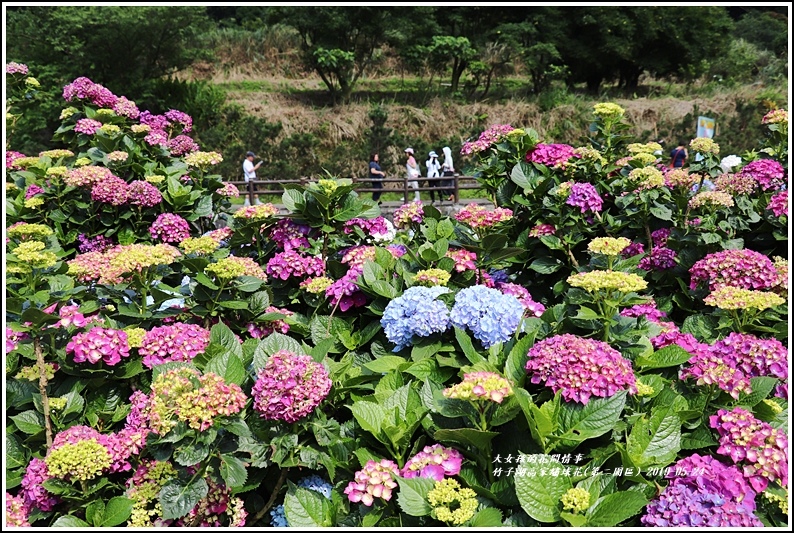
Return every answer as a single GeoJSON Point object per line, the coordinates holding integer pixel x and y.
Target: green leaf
{"type": "Point", "coordinates": [369, 416]}
{"type": "Point", "coordinates": [655, 440]}
{"type": "Point", "coordinates": [118, 511]}
{"type": "Point", "coordinates": [293, 200]}
{"type": "Point", "coordinates": [464, 341]}
{"type": "Point", "coordinates": [15, 456]}
{"type": "Point", "coordinates": [191, 454]}
{"type": "Point", "coordinates": [306, 508]}
{"type": "Point", "coordinates": [467, 436]}
{"type": "Point", "coordinates": [515, 366]}
{"type": "Point", "coordinates": [700, 438]}
{"type": "Point", "coordinates": [247, 284]}
{"type": "Point", "coordinates": [30, 422]}
{"type": "Point", "coordinates": [545, 265]}
{"type": "Point", "coordinates": [672, 355]}
{"type": "Point", "coordinates": [488, 517]}
{"type": "Point", "coordinates": [412, 497]}
{"type": "Point", "coordinates": [228, 366]}
{"type": "Point", "coordinates": [661, 212]}
{"type": "Point", "coordinates": [581, 422]}
{"type": "Point", "coordinates": [233, 471]}
{"type": "Point", "coordinates": [612, 509]}
{"type": "Point", "coordinates": [761, 387]}
{"type": "Point", "coordinates": [383, 365]}
{"type": "Point", "coordinates": [539, 492]}
{"type": "Point", "coordinates": [70, 521]}
{"type": "Point", "coordinates": [273, 343]}
{"type": "Point", "coordinates": [94, 512]}
{"type": "Point", "coordinates": [177, 497]}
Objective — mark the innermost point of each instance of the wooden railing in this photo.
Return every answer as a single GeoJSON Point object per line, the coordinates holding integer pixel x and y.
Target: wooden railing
{"type": "Point", "coordinates": [459, 183]}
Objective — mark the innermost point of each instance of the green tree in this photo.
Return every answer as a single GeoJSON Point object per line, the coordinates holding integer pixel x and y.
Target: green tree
{"type": "Point", "coordinates": [765, 29]}
{"type": "Point", "coordinates": [454, 51]}
{"type": "Point", "coordinates": [339, 43]}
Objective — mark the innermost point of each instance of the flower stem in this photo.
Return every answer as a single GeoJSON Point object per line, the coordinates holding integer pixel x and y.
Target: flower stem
{"type": "Point", "coordinates": [282, 478]}
{"type": "Point", "coordinates": [45, 400]}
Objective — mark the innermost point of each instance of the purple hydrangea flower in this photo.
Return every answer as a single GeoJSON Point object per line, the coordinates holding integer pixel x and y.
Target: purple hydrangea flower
{"type": "Point", "coordinates": [586, 197]}
{"type": "Point", "coordinates": [289, 387]}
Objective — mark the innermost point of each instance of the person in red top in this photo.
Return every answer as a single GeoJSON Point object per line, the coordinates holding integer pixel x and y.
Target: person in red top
{"type": "Point", "coordinates": [678, 155]}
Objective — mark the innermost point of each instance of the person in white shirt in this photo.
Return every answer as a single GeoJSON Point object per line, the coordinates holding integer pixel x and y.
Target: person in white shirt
{"type": "Point", "coordinates": [448, 169]}
{"type": "Point", "coordinates": [433, 166]}
{"type": "Point", "coordinates": [413, 172]}
{"type": "Point", "coordinates": [249, 173]}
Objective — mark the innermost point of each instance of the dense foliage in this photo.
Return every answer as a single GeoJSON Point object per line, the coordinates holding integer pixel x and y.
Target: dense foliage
{"type": "Point", "coordinates": [605, 346]}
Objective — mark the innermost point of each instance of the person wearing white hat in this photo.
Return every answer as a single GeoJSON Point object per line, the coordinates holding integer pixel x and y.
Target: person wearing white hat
{"type": "Point", "coordinates": [433, 166]}
{"type": "Point", "coordinates": [412, 169]}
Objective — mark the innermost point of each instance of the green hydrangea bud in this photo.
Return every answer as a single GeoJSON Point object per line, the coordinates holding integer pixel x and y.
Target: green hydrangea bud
{"type": "Point", "coordinates": [576, 500]}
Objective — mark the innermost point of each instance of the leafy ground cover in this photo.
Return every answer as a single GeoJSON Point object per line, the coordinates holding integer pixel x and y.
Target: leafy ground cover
{"type": "Point", "coordinates": [605, 346]}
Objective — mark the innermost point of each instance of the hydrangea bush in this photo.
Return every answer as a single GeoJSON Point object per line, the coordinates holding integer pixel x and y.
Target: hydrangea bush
{"type": "Point", "coordinates": [604, 346]}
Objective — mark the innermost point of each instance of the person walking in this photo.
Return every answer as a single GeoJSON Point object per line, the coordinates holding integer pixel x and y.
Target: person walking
{"type": "Point", "coordinates": [678, 155]}
{"type": "Point", "coordinates": [433, 166]}
{"type": "Point", "coordinates": [448, 170]}
{"type": "Point", "coordinates": [376, 175]}
{"type": "Point", "coordinates": [412, 172]}
{"type": "Point", "coordinates": [249, 174]}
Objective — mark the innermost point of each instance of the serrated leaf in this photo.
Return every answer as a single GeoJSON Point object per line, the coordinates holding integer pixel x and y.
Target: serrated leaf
{"type": "Point", "coordinates": [383, 365]}
{"type": "Point", "coordinates": [70, 521]}
{"type": "Point", "coordinates": [464, 341]}
{"type": "Point", "coordinates": [488, 517]}
{"type": "Point", "coordinates": [467, 436]}
{"type": "Point", "coordinates": [94, 512]}
{"type": "Point", "coordinates": [369, 416]}
{"type": "Point", "coordinates": [579, 422]}
{"type": "Point", "coordinates": [412, 497]}
{"type": "Point", "coordinates": [228, 366]}
{"type": "Point", "coordinates": [233, 471]}
{"type": "Point", "coordinates": [306, 508]}
{"type": "Point", "coordinates": [672, 355]}
{"type": "Point", "coordinates": [700, 438]}
{"type": "Point", "coordinates": [539, 493]}
{"type": "Point", "coordinates": [760, 387]}
{"type": "Point", "coordinates": [29, 422]}
{"type": "Point", "coordinates": [612, 509]}
{"type": "Point", "coordinates": [177, 497]}
{"type": "Point", "coordinates": [545, 265]}
{"type": "Point", "coordinates": [272, 344]}
{"type": "Point", "coordinates": [15, 456]}
{"type": "Point", "coordinates": [655, 440]}
{"type": "Point", "coordinates": [117, 511]}
{"type": "Point", "coordinates": [191, 454]}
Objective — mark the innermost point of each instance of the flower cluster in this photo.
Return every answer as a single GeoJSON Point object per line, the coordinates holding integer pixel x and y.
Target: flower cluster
{"type": "Point", "coordinates": [143, 488]}
{"type": "Point", "coordinates": [767, 173]}
{"type": "Point", "coordinates": [646, 178]}
{"type": "Point", "coordinates": [608, 111]}
{"type": "Point", "coordinates": [178, 117]}
{"type": "Point", "coordinates": [703, 493]}
{"type": "Point", "coordinates": [744, 268]}
{"type": "Point", "coordinates": [87, 126]}
{"type": "Point", "coordinates": [199, 245]}
{"type": "Point", "coordinates": [418, 313]}
{"type": "Point", "coordinates": [660, 258]}
{"type": "Point", "coordinates": [710, 368]}
{"type": "Point", "coordinates": [411, 213]}
{"type": "Point", "coordinates": [181, 145]}
{"type": "Point", "coordinates": [16, 510]}
{"type": "Point", "coordinates": [24, 231]}
{"type": "Point", "coordinates": [31, 255]}
{"type": "Point", "coordinates": [375, 480]}
{"type": "Point", "coordinates": [647, 310]}
{"type": "Point", "coordinates": [731, 298]}
{"type": "Point", "coordinates": [13, 67]}
{"type": "Point", "coordinates": [203, 159]}
{"type": "Point", "coordinates": [491, 316]}
{"type": "Point", "coordinates": [111, 190]}
{"type": "Point", "coordinates": [447, 495]}
{"type": "Point", "coordinates": [109, 345]}
{"type": "Point", "coordinates": [289, 387]}
{"type": "Point", "coordinates": [292, 264]}
{"type": "Point", "coordinates": [110, 266]}
{"type": "Point", "coordinates": [735, 184]}
{"type": "Point", "coordinates": [345, 292]}
{"type": "Point", "coordinates": [680, 178]}
{"type": "Point", "coordinates": [585, 196]}
{"type": "Point", "coordinates": [32, 190]}
{"type": "Point", "coordinates": [229, 190]}
{"type": "Point", "coordinates": [576, 500]}
{"type": "Point", "coordinates": [480, 386]}
{"type": "Point", "coordinates": [477, 217]}
{"type": "Point", "coordinates": [176, 342]}
{"type": "Point", "coordinates": [170, 228]}
{"type": "Point", "coordinates": [184, 394]}
{"type": "Point", "coordinates": [608, 245]}
{"type": "Point", "coordinates": [33, 492]}
{"type": "Point", "coordinates": [84, 89]}
{"type": "Point", "coordinates": [264, 329]}
{"type": "Point", "coordinates": [232, 267]}
{"type": "Point", "coordinates": [433, 462]}
{"type": "Point", "coordinates": [704, 145]}
{"type": "Point", "coordinates": [551, 155]}
{"type": "Point", "coordinates": [290, 235]}
{"type": "Point", "coordinates": [580, 368]}
{"type": "Point", "coordinates": [431, 277]}
{"type": "Point", "coordinates": [753, 355]}
{"type": "Point", "coordinates": [464, 259]}
{"type": "Point", "coordinates": [487, 138]}
{"type": "Point", "coordinates": [607, 280]}
{"type": "Point", "coordinates": [776, 116]}
{"type": "Point", "coordinates": [86, 176]}
{"type": "Point", "coordinates": [78, 453]}
{"type": "Point", "coordinates": [317, 284]}
{"type": "Point", "coordinates": [763, 449]}
{"type": "Point", "coordinates": [378, 228]}
{"type": "Point", "coordinates": [11, 157]}
{"type": "Point", "coordinates": [531, 307]}
{"type": "Point", "coordinates": [256, 212]}
{"type": "Point", "coordinates": [778, 204]}
{"type": "Point", "coordinates": [541, 229]}
{"type": "Point", "coordinates": [647, 148]}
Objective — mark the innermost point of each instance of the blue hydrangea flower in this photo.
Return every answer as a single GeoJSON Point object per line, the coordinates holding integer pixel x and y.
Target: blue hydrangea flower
{"type": "Point", "coordinates": [277, 516]}
{"type": "Point", "coordinates": [491, 316]}
{"type": "Point", "coordinates": [317, 484]}
{"type": "Point", "coordinates": [498, 276]}
{"type": "Point", "coordinates": [416, 312]}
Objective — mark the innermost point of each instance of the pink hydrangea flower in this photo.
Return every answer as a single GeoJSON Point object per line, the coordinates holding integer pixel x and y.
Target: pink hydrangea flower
{"type": "Point", "coordinates": [778, 204]}
{"type": "Point", "coordinates": [408, 214]}
{"type": "Point", "coordinates": [464, 259]}
{"type": "Point", "coordinates": [289, 235]}
{"type": "Point", "coordinates": [181, 145]}
{"type": "Point", "coordinates": [768, 173]}
{"type": "Point", "coordinates": [745, 268]}
{"type": "Point", "coordinates": [16, 510]}
{"type": "Point", "coordinates": [289, 387]}
{"type": "Point", "coordinates": [108, 345]}
{"type": "Point", "coordinates": [532, 307]}
{"type": "Point", "coordinates": [84, 89]}
{"type": "Point", "coordinates": [434, 462]}
{"type": "Point", "coordinates": [478, 217]}
{"type": "Point", "coordinates": [375, 480]}
{"type": "Point", "coordinates": [586, 197]}
{"type": "Point", "coordinates": [580, 368]}
{"type": "Point", "coordinates": [16, 68]}
{"type": "Point", "coordinates": [144, 194]}
{"type": "Point", "coordinates": [87, 126]}
{"type": "Point", "coordinates": [488, 138]}
{"type": "Point", "coordinates": [552, 155]}
{"type": "Point", "coordinates": [175, 116]}
{"type": "Point", "coordinates": [290, 263]}
{"type": "Point", "coordinates": [126, 108]}
{"type": "Point", "coordinates": [170, 228]}
{"type": "Point", "coordinates": [33, 492]}
{"type": "Point", "coordinates": [177, 342]}
{"type": "Point", "coordinates": [111, 190]}
{"type": "Point", "coordinates": [264, 329]}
